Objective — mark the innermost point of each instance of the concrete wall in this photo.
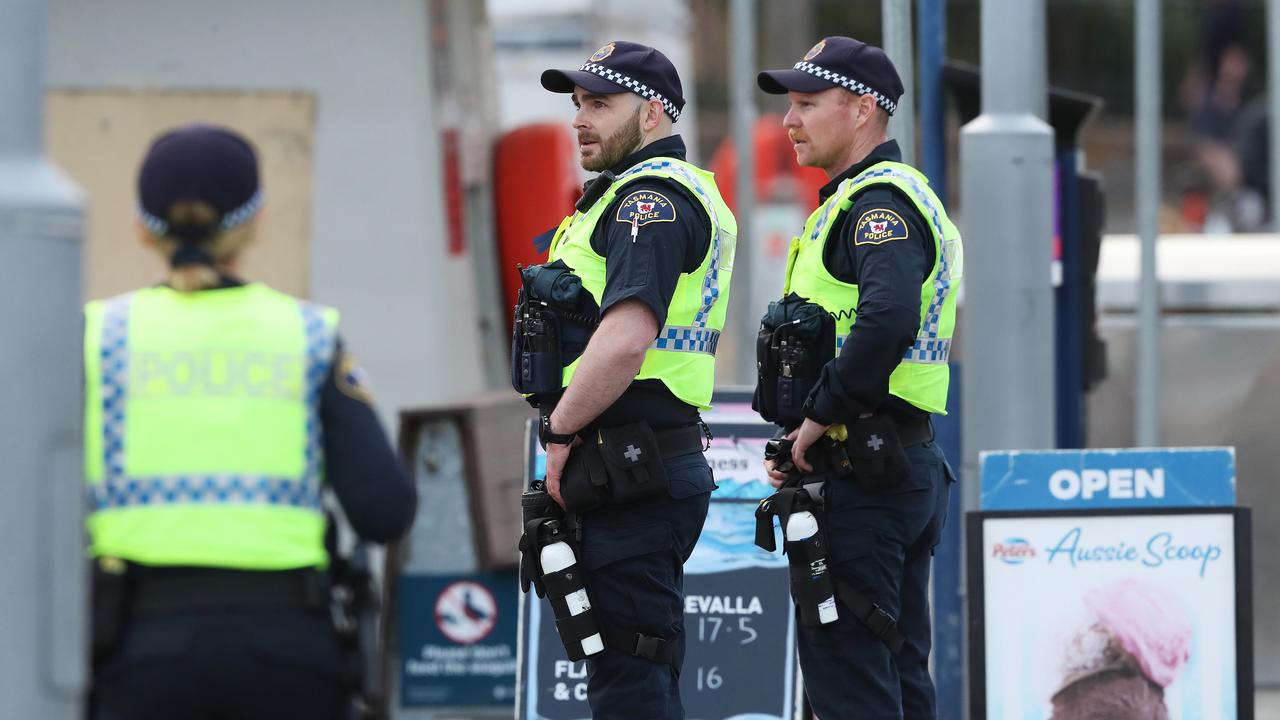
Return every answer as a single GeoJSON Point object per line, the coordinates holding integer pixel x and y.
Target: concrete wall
{"type": "Point", "coordinates": [378, 248]}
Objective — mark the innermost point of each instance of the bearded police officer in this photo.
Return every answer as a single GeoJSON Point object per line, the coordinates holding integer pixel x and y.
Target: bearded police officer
{"type": "Point", "coordinates": [854, 363]}
{"type": "Point", "coordinates": [216, 412]}
{"type": "Point", "coordinates": [636, 286]}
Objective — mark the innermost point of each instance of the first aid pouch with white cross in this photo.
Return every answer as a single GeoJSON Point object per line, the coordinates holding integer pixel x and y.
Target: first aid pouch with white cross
{"type": "Point", "coordinates": [633, 462]}
{"type": "Point", "coordinates": [879, 461]}
{"type": "Point", "coordinates": [613, 466]}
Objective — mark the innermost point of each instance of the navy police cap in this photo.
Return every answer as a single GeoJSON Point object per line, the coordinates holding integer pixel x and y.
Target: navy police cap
{"type": "Point", "coordinates": [839, 61]}
{"type": "Point", "coordinates": [622, 66]}
{"type": "Point", "coordinates": [199, 163]}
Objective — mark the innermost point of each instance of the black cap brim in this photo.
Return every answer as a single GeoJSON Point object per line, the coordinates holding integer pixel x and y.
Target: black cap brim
{"type": "Point", "coordinates": [564, 81]}
{"type": "Point", "coordinates": [780, 82]}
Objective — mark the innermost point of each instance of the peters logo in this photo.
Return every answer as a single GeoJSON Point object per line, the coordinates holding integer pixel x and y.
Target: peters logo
{"type": "Point", "coordinates": [1013, 551]}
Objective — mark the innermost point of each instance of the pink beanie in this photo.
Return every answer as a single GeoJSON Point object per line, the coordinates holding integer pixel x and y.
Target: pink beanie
{"type": "Point", "coordinates": [1149, 623]}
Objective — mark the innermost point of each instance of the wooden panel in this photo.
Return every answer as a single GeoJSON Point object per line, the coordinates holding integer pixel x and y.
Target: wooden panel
{"type": "Point", "coordinates": [99, 138]}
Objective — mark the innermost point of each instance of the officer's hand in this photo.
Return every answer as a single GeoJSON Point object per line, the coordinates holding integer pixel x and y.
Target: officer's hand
{"type": "Point", "coordinates": [802, 438]}
{"type": "Point", "coordinates": [557, 456]}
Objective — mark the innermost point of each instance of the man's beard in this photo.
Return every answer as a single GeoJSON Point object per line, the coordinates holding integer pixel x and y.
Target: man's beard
{"type": "Point", "coordinates": [614, 148]}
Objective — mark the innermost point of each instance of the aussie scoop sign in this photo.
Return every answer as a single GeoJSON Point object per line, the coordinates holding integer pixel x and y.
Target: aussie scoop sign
{"type": "Point", "coordinates": [1080, 610]}
{"type": "Point", "coordinates": [1079, 549]}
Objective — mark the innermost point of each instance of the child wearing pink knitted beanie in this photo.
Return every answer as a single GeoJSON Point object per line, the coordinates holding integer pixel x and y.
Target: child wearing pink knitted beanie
{"type": "Point", "coordinates": [1117, 667]}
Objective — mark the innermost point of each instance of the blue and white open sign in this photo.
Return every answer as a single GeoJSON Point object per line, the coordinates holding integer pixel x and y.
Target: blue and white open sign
{"type": "Point", "coordinates": [1146, 477]}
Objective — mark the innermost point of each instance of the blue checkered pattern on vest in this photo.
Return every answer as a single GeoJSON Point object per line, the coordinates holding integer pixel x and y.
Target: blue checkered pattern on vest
{"type": "Point", "coordinates": [687, 339]}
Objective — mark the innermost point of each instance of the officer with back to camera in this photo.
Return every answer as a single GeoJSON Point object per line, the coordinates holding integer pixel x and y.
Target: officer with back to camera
{"type": "Point", "coordinates": [853, 362]}
{"type": "Point", "coordinates": [216, 412]}
{"type": "Point", "coordinates": [636, 289]}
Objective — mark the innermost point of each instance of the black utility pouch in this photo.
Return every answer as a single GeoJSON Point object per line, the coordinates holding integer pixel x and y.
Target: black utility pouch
{"type": "Point", "coordinates": [112, 596]}
{"type": "Point", "coordinates": [633, 462]}
{"type": "Point", "coordinates": [796, 339]}
{"type": "Point", "coordinates": [876, 453]}
{"type": "Point", "coordinates": [535, 349]}
{"type": "Point", "coordinates": [584, 484]}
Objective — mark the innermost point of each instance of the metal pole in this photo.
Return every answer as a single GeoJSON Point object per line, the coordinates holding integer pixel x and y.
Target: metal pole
{"type": "Point", "coordinates": [744, 309]}
{"type": "Point", "coordinates": [43, 589]}
{"type": "Point", "coordinates": [931, 38]}
{"type": "Point", "coordinates": [1147, 30]}
{"type": "Point", "coordinates": [896, 31]}
{"type": "Point", "coordinates": [1273, 94]}
{"type": "Point", "coordinates": [1006, 157]}
{"type": "Point", "coordinates": [947, 665]}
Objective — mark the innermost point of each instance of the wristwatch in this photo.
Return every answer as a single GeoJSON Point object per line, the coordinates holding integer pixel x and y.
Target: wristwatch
{"type": "Point", "coordinates": [546, 437]}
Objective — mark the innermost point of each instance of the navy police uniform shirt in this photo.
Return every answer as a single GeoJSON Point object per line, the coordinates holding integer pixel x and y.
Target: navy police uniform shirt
{"type": "Point", "coordinates": [671, 235]}
{"type": "Point", "coordinates": [884, 246]}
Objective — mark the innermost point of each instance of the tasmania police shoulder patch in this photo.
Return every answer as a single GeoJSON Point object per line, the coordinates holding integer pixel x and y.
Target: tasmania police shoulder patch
{"type": "Point", "coordinates": [879, 226]}
{"type": "Point", "coordinates": [646, 206]}
{"type": "Point", "coordinates": [352, 380]}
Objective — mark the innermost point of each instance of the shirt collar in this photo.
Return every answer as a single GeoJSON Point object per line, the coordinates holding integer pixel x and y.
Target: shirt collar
{"type": "Point", "coordinates": [887, 150]}
{"type": "Point", "coordinates": [671, 146]}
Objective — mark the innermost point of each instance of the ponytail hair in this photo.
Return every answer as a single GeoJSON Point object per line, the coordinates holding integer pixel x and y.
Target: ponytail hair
{"type": "Point", "coordinates": [195, 243]}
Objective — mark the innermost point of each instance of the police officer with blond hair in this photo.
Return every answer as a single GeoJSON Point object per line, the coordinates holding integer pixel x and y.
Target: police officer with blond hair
{"type": "Point", "coordinates": [854, 362]}
{"type": "Point", "coordinates": [217, 412]}
{"type": "Point", "coordinates": [615, 344]}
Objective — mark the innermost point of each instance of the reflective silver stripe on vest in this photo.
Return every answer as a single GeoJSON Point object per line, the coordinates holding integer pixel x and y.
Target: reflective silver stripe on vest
{"type": "Point", "coordinates": [711, 282]}
{"type": "Point", "coordinates": [675, 338]}
{"type": "Point", "coordinates": [927, 348]}
{"type": "Point", "coordinates": [118, 490]}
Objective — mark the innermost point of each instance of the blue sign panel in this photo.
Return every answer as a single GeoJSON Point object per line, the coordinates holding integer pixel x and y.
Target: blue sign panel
{"type": "Point", "coordinates": [1075, 479]}
{"type": "Point", "coordinates": [458, 639]}
{"type": "Point", "coordinates": [739, 624]}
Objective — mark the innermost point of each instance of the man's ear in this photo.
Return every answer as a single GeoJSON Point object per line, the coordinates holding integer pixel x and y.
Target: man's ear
{"type": "Point", "coordinates": [652, 114]}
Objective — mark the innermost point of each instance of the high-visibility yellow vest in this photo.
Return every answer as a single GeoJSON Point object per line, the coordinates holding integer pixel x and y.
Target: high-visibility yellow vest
{"type": "Point", "coordinates": [202, 433]}
{"type": "Point", "coordinates": [922, 376]}
{"type": "Point", "coordinates": [683, 355]}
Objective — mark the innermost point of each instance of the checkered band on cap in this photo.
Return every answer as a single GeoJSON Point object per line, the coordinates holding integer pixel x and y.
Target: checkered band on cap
{"type": "Point", "coordinates": [633, 85]}
{"type": "Point", "coordinates": [160, 226]}
{"type": "Point", "coordinates": [847, 83]}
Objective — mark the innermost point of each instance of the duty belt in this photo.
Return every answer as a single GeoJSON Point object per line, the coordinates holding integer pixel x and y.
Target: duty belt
{"type": "Point", "coordinates": [912, 430]}
{"type": "Point", "coordinates": [162, 591]}
{"type": "Point", "coordinates": [683, 440]}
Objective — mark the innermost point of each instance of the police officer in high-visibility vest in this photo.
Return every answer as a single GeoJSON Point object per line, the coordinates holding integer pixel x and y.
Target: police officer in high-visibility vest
{"type": "Point", "coordinates": [615, 343]}
{"type": "Point", "coordinates": [853, 363]}
{"type": "Point", "coordinates": [216, 413]}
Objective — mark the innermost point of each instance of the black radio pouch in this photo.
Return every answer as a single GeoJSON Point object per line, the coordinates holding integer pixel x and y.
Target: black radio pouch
{"type": "Point", "coordinates": [553, 322]}
{"type": "Point", "coordinates": [536, 366]}
{"type": "Point", "coordinates": [112, 596]}
{"type": "Point", "coordinates": [876, 453]}
{"type": "Point", "coordinates": [796, 339]}
{"type": "Point", "coordinates": [623, 465]}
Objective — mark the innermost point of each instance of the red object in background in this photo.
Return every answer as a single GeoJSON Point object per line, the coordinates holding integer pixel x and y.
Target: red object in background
{"type": "Point", "coordinates": [454, 213]}
{"type": "Point", "coordinates": [536, 185]}
{"type": "Point", "coordinates": [778, 177]}
{"type": "Point", "coordinates": [1195, 209]}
